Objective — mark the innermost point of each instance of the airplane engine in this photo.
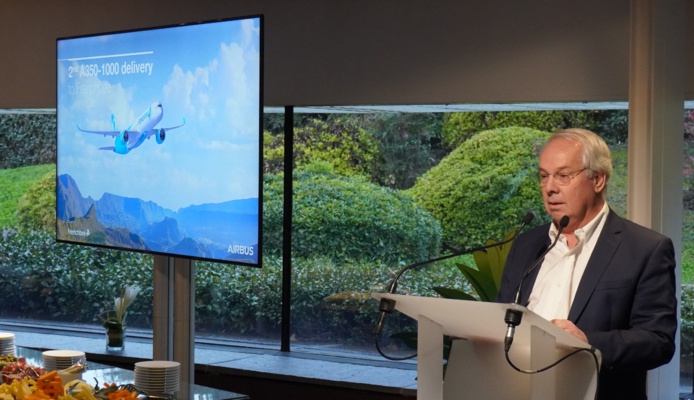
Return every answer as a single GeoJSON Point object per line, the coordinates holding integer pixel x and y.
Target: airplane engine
{"type": "Point", "coordinates": [161, 135]}
{"type": "Point", "coordinates": [121, 144]}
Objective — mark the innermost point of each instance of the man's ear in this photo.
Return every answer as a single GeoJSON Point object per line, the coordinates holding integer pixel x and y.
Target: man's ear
{"type": "Point", "coordinates": [599, 182]}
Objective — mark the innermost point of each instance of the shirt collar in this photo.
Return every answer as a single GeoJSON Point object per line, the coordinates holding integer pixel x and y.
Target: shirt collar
{"type": "Point", "coordinates": [586, 232]}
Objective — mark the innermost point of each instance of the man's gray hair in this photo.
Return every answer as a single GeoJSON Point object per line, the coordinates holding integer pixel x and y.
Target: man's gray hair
{"type": "Point", "coordinates": [596, 154]}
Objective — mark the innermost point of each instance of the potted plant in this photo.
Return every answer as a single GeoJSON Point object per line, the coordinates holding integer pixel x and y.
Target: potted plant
{"type": "Point", "coordinates": [114, 320]}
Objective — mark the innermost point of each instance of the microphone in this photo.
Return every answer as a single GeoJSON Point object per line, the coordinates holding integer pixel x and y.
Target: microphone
{"type": "Point", "coordinates": [387, 306]}
{"type": "Point", "coordinates": [513, 317]}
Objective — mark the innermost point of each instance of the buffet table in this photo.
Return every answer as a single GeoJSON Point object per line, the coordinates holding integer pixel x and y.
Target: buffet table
{"type": "Point", "coordinates": [101, 373]}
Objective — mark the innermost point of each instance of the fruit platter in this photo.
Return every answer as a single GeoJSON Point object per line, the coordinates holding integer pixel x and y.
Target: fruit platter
{"type": "Point", "coordinates": [22, 381]}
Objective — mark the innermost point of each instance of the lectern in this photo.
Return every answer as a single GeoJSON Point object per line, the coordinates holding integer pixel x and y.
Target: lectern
{"type": "Point", "coordinates": [477, 367]}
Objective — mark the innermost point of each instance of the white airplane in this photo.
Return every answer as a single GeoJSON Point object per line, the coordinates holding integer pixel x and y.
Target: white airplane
{"type": "Point", "coordinates": [138, 131]}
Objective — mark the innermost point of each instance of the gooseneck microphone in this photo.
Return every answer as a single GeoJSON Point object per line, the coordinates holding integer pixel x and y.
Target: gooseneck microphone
{"type": "Point", "coordinates": [387, 306]}
{"type": "Point", "coordinates": [513, 317]}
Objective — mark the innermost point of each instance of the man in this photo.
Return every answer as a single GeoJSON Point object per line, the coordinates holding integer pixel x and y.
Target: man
{"type": "Point", "coordinates": [608, 281]}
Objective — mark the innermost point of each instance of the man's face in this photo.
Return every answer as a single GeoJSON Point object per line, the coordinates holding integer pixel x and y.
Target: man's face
{"type": "Point", "coordinates": [580, 197]}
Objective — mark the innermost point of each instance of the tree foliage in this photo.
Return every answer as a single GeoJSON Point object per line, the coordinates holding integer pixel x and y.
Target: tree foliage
{"type": "Point", "coordinates": [484, 186]}
{"type": "Point", "coordinates": [339, 141]}
{"type": "Point", "coordinates": [409, 144]}
{"type": "Point", "coordinates": [459, 127]}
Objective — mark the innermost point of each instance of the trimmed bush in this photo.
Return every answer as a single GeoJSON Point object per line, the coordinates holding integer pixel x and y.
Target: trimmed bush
{"type": "Point", "coordinates": [36, 208]}
{"type": "Point", "coordinates": [348, 218]}
{"type": "Point", "coordinates": [15, 183]}
{"type": "Point", "coordinates": [485, 186]}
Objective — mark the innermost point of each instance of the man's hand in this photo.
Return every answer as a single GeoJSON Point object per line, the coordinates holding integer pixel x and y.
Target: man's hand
{"type": "Point", "coordinates": [569, 327]}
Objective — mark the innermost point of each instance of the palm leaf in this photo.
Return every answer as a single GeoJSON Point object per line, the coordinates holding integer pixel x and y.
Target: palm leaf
{"type": "Point", "coordinates": [457, 294]}
{"type": "Point", "coordinates": [486, 278]}
{"type": "Point", "coordinates": [481, 282]}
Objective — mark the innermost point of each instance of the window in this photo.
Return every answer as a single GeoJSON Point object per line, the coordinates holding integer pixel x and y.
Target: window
{"type": "Point", "coordinates": [362, 210]}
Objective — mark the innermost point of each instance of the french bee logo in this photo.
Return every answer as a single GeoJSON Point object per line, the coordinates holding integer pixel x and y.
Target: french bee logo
{"type": "Point", "coordinates": [237, 249]}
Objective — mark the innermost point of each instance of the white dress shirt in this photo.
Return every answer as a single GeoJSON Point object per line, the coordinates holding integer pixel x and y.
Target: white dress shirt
{"type": "Point", "coordinates": [562, 270]}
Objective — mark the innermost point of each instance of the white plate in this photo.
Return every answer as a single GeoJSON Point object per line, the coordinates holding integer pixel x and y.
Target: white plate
{"type": "Point", "coordinates": [157, 364]}
{"type": "Point", "coordinates": [63, 353]}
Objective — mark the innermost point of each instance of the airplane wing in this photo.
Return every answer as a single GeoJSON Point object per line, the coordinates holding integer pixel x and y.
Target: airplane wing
{"type": "Point", "coordinates": [177, 126]}
{"type": "Point", "coordinates": [161, 131]}
{"type": "Point", "coordinates": [105, 133]}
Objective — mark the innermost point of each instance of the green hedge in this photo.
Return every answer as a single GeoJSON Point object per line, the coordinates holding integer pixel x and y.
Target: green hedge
{"type": "Point", "coordinates": [484, 187]}
{"type": "Point", "coordinates": [330, 301]}
{"type": "Point", "coordinates": [348, 218]}
{"type": "Point", "coordinates": [27, 139]}
{"type": "Point", "coordinates": [51, 280]}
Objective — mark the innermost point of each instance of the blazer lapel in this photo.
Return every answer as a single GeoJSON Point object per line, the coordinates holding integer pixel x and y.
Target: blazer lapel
{"type": "Point", "coordinates": [599, 261]}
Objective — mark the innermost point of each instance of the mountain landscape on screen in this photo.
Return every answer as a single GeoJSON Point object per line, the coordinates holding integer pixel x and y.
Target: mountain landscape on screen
{"type": "Point", "coordinates": [207, 231]}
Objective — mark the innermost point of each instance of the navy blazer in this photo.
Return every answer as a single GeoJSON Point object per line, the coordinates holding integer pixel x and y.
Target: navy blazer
{"type": "Point", "coordinates": [625, 303]}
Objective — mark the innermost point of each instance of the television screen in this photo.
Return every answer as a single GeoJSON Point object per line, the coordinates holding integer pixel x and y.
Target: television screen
{"type": "Point", "coordinates": [159, 140]}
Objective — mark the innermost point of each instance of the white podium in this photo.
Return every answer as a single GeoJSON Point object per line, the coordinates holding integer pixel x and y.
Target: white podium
{"type": "Point", "coordinates": [477, 367]}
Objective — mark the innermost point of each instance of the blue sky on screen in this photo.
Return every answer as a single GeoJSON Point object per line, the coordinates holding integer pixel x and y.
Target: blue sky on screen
{"type": "Point", "coordinates": [206, 74]}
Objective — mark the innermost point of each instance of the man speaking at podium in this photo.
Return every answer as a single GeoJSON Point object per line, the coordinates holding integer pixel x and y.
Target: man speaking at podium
{"type": "Point", "coordinates": [607, 281]}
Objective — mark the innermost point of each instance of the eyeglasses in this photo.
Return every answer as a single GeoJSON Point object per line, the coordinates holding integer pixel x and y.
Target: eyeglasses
{"type": "Point", "coordinates": [562, 178]}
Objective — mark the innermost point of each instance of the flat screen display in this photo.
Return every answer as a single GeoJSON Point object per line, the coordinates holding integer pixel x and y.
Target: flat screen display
{"type": "Point", "coordinates": [159, 140]}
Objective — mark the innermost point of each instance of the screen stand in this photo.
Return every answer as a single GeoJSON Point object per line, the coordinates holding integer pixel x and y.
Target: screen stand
{"type": "Point", "coordinates": [162, 308]}
{"type": "Point", "coordinates": [174, 339]}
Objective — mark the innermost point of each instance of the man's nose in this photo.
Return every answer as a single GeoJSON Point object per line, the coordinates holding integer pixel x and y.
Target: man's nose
{"type": "Point", "coordinates": [551, 185]}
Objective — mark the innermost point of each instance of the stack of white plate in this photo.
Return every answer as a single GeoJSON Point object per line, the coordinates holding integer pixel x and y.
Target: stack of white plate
{"type": "Point", "coordinates": [7, 347]}
{"type": "Point", "coordinates": [61, 359]}
{"type": "Point", "coordinates": [158, 376]}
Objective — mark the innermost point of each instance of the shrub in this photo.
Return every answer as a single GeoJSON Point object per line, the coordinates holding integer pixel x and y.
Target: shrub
{"type": "Point", "coordinates": [345, 218]}
{"type": "Point", "coordinates": [36, 208]}
{"type": "Point", "coordinates": [485, 186]}
{"type": "Point", "coordinates": [15, 183]}
{"type": "Point", "coordinates": [330, 301]}
{"type": "Point", "coordinates": [74, 283]}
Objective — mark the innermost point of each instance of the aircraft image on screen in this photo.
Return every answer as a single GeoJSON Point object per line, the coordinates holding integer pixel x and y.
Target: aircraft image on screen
{"type": "Point", "coordinates": [133, 136]}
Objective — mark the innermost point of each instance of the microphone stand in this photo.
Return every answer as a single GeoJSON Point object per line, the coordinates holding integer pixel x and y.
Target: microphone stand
{"type": "Point", "coordinates": [513, 316]}
{"type": "Point", "coordinates": [387, 306]}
